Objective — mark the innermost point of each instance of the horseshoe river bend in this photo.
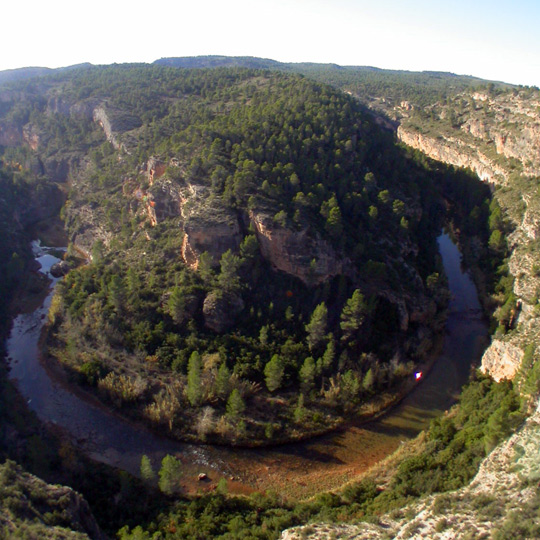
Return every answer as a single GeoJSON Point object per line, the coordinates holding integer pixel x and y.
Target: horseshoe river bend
{"type": "Point", "coordinates": [300, 468]}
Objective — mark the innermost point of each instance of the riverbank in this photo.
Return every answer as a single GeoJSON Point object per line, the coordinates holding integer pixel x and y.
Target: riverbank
{"type": "Point", "coordinates": [297, 470]}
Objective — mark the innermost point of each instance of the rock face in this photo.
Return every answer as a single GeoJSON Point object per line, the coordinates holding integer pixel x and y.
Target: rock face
{"type": "Point", "coordinates": [508, 476]}
{"type": "Point", "coordinates": [30, 508]}
{"type": "Point", "coordinates": [497, 135]}
{"type": "Point", "coordinates": [455, 152]}
{"type": "Point", "coordinates": [220, 310]}
{"type": "Point", "coordinates": [91, 230]}
{"type": "Point", "coordinates": [211, 228]}
{"type": "Point", "coordinates": [501, 360]}
{"type": "Point", "coordinates": [60, 269]}
{"type": "Point", "coordinates": [298, 253]}
{"type": "Point", "coordinates": [114, 124]}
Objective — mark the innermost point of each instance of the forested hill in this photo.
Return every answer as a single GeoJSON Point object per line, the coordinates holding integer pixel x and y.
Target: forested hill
{"type": "Point", "coordinates": [383, 88]}
{"type": "Point", "coordinates": [263, 257]}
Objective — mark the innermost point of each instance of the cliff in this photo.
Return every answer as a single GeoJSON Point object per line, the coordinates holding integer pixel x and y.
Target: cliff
{"type": "Point", "coordinates": [497, 136]}
{"type": "Point", "coordinates": [30, 508]}
{"type": "Point", "coordinates": [454, 151]}
{"type": "Point", "coordinates": [497, 500]}
{"type": "Point", "coordinates": [302, 254]}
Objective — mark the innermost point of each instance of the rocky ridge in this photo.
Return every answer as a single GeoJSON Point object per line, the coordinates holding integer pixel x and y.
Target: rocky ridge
{"type": "Point", "coordinates": [31, 508]}
{"type": "Point", "coordinates": [498, 137]}
{"type": "Point", "coordinates": [503, 486]}
{"type": "Point", "coordinates": [495, 135]}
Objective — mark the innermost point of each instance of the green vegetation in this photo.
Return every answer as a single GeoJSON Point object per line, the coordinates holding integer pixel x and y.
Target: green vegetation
{"type": "Point", "coordinates": [131, 324]}
{"type": "Point", "coordinates": [455, 444]}
{"type": "Point", "coordinates": [238, 152]}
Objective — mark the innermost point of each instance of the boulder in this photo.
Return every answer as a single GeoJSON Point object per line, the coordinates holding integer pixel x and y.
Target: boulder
{"type": "Point", "coordinates": [60, 269]}
{"type": "Point", "coordinates": [220, 310]}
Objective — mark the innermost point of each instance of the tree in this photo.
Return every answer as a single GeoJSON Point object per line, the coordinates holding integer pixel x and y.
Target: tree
{"type": "Point", "coordinates": [116, 293]}
{"type": "Point", "coordinates": [169, 475]}
{"type": "Point", "coordinates": [147, 472]}
{"type": "Point", "coordinates": [235, 404]}
{"type": "Point", "coordinates": [205, 267]}
{"type": "Point", "coordinates": [325, 362]}
{"type": "Point", "coordinates": [307, 374]}
{"type": "Point", "coordinates": [177, 305]}
{"type": "Point", "coordinates": [316, 328]}
{"type": "Point", "coordinates": [273, 372]}
{"type": "Point", "coordinates": [194, 388]}
{"type": "Point", "coordinates": [353, 316]}
{"type": "Point", "coordinates": [223, 380]}
{"type": "Point", "coordinates": [228, 278]}
{"type": "Point", "coordinates": [369, 380]}
{"type": "Point", "coordinates": [300, 411]}
{"type": "Point", "coordinates": [334, 223]}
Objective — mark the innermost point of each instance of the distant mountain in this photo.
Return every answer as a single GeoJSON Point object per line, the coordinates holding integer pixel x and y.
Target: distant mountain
{"type": "Point", "coordinates": [219, 61]}
{"type": "Point", "coordinates": [10, 75]}
{"type": "Point", "coordinates": [367, 83]}
{"type": "Point", "coordinates": [19, 74]}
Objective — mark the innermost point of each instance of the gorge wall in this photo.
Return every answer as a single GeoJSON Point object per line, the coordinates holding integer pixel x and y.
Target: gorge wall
{"type": "Point", "coordinates": [496, 136]}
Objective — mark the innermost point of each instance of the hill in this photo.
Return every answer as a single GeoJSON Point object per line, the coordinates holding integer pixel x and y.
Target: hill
{"type": "Point", "coordinates": [260, 263]}
{"type": "Point", "coordinates": [252, 236]}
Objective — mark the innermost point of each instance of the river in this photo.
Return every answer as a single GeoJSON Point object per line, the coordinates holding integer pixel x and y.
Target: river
{"type": "Point", "coordinates": [298, 469]}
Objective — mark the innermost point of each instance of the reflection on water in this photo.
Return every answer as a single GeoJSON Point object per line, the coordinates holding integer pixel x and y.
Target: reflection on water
{"type": "Point", "coordinates": [108, 438]}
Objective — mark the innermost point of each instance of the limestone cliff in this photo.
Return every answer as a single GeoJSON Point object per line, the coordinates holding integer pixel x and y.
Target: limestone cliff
{"type": "Point", "coordinates": [506, 480]}
{"type": "Point", "coordinates": [455, 152]}
{"type": "Point", "coordinates": [501, 360]}
{"type": "Point", "coordinates": [494, 135]}
{"type": "Point", "coordinates": [210, 228]}
{"type": "Point", "coordinates": [30, 508]}
{"type": "Point", "coordinates": [299, 253]}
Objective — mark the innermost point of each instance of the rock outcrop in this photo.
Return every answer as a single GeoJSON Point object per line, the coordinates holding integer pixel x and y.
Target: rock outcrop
{"type": "Point", "coordinates": [501, 360]}
{"type": "Point", "coordinates": [115, 124]}
{"type": "Point", "coordinates": [507, 477]}
{"type": "Point", "coordinates": [299, 253]}
{"type": "Point", "coordinates": [494, 135]}
{"type": "Point", "coordinates": [454, 151]}
{"type": "Point", "coordinates": [209, 227]}
{"type": "Point", "coordinates": [60, 269]}
{"type": "Point", "coordinates": [220, 310]}
{"type": "Point", "coordinates": [30, 508]}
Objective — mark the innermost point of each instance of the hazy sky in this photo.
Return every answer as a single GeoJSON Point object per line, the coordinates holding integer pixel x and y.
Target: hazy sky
{"type": "Point", "coordinates": [489, 39]}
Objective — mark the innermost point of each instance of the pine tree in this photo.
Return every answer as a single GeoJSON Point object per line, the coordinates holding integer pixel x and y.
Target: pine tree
{"type": "Point", "coordinates": [316, 328]}
{"type": "Point", "coordinates": [177, 305]}
{"type": "Point", "coordinates": [307, 374]}
{"type": "Point", "coordinates": [235, 404]}
{"type": "Point", "coordinates": [147, 472]}
{"type": "Point", "coordinates": [353, 316]}
{"type": "Point", "coordinates": [273, 373]}
{"type": "Point", "coordinates": [169, 475]}
{"type": "Point", "coordinates": [228, 278]}
{"type": "Point", "coordinates": [369, 380]}
{"type": "Point", "coordinates": [223, 380]}
{"type": "Point", "coordinates": [194, 387]}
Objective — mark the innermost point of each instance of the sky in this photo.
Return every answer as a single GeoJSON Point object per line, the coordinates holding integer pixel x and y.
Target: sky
{"type": "Point", "coordinates": [496, 40]}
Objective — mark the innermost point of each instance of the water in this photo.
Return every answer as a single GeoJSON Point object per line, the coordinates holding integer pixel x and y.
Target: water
{"type": "Point", "coordinates": [300, 468]}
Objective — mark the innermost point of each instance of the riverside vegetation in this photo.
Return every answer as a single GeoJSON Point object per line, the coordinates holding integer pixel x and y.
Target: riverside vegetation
{"type": "Point", "coordinates": [252, 237]}
{"type": "Point", "coordinates": [301, 335]}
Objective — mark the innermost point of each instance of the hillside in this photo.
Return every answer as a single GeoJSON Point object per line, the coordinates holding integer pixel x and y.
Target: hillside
{"type": "Point", "coordinates": [495, 134]}
{"type": "Point", "coordinates": [253, 260]}
{"type": "Point", "coordinates": [252, 235]}
{"type": "Point", "coordinates": [30, 508]}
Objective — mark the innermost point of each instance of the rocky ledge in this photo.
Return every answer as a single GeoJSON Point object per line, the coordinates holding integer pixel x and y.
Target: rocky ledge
{"type": "Point", "coordinates": [31, 508]}
{"type": "Point", "coordinates": [504, 485]}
